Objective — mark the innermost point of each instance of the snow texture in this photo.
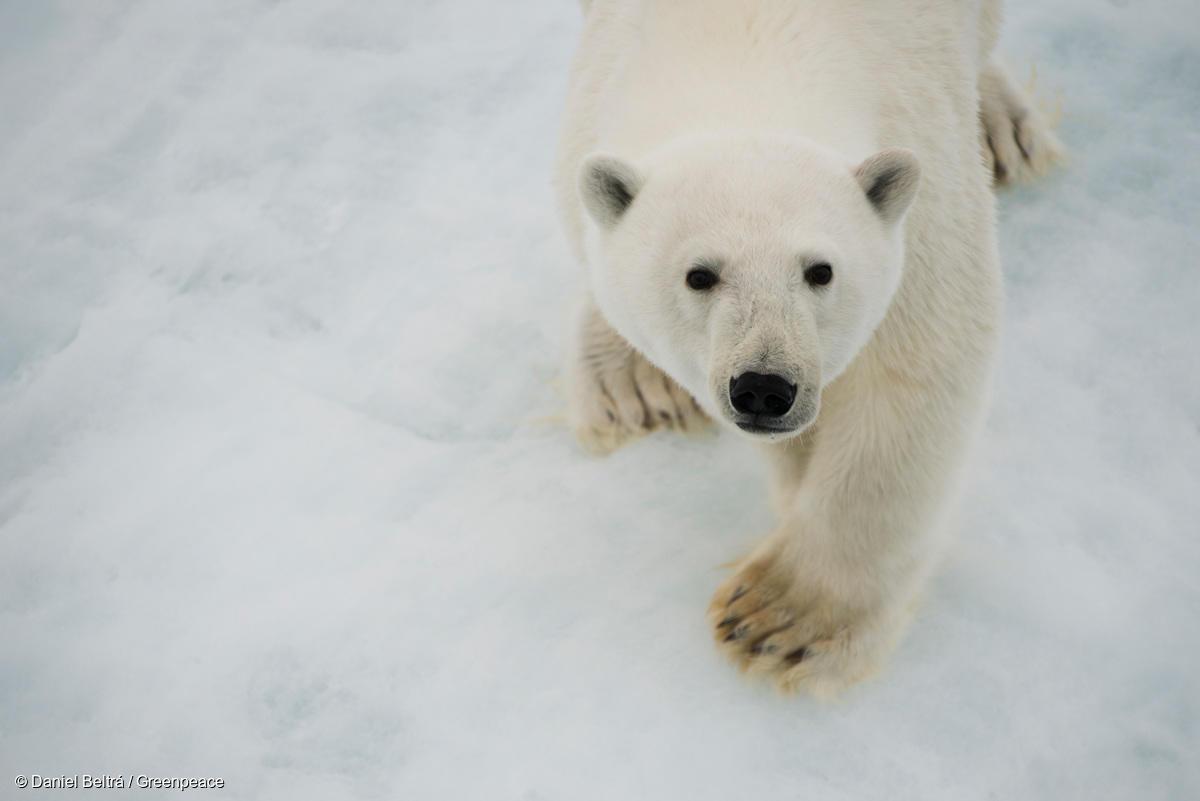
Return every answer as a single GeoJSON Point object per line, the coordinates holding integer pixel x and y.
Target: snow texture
{"type": "Point", "coordinates": [285, 496]}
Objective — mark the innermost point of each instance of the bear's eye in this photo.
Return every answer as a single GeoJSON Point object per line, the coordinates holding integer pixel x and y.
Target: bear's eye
{"type": "Point", "coordinates": [818, 275]}
{"type": "Point", "coordinates": [701, 279]}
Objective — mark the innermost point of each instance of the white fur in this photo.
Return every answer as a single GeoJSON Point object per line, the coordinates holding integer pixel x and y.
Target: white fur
{"type": "Point", "coordinates": [745, 131]}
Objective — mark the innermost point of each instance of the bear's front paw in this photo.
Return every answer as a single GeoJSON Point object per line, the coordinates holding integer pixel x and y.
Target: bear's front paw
{"type": "Point", "coordinates": [616, 395]}
{"type": "Point", "coordinates": [770, 625]}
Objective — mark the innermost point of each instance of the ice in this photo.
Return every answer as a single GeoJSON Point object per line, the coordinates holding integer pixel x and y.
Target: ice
{"type": "Point", "coordinates": [285, 496]}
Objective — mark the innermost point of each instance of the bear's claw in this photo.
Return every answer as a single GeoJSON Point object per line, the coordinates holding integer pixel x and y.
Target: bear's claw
{"type": "Point", "coordinates": [1019, 144]}
{"type": "Point", "coordinates": [771, 626]}
{"type": "Point", "coordinates": [617, 395]}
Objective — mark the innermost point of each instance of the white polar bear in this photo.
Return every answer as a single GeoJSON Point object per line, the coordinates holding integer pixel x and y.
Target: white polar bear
{"type": "Point", "coordinates": [783, 207]}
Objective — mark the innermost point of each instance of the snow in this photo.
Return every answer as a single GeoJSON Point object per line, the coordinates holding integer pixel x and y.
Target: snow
{"type": "Point", "coordinates": [285, 496]}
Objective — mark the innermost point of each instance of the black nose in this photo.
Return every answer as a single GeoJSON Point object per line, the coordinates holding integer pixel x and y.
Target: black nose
{"type": "Point", "coordinates": [764, 395]}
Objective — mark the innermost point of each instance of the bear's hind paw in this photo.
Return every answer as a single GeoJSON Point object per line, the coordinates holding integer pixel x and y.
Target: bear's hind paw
{"type": "Point", "coordinates": [1019, 144]}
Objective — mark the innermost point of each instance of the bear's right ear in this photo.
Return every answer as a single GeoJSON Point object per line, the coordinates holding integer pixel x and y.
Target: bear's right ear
{"type": "Point", "coordinates": [608, 186]}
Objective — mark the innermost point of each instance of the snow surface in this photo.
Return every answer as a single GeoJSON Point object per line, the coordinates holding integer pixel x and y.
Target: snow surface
{"type": "Point", "coordinates": [284, 498]}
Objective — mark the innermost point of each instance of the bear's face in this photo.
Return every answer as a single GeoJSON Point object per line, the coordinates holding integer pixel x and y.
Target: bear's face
{"type": "Point", "coordinates": [750, 271]}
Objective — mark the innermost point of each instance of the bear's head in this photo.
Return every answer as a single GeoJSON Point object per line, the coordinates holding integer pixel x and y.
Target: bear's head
{"type": "Point", "coordinates": [750, 270]}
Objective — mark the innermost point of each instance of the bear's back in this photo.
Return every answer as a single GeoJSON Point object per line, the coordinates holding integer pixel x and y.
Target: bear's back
{"type": "Point", "coordinates": [852, 75]}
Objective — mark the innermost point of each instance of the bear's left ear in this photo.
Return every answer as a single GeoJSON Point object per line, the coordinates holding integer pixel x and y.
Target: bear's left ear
{"type": "Point", "coordinates": [889, 179]}
{"type": "Point", "coordinates": [608, 186]}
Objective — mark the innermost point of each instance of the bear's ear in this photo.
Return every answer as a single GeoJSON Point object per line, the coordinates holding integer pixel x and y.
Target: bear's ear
{"type": "Point", "coordinates": [608, 186]}
{"type": "Point", "coordinates": [889, 179]}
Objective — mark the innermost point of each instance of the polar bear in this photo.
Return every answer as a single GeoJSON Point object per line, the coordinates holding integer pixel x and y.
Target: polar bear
{"type": "Point", "coordinates": [788, 229]}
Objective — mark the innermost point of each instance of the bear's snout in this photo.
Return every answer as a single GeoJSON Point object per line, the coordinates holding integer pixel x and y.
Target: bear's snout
{"type": "Point", "coordinates": [765, 396]}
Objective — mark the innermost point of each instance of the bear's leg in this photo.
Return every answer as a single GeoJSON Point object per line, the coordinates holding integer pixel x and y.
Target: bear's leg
{"type": "Point", "coordinates": [615, 395]}
{"type": "Point", "coordinates": [1018, 142]}
{"type": "Point", "coordinates": [820, 604]}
